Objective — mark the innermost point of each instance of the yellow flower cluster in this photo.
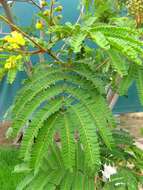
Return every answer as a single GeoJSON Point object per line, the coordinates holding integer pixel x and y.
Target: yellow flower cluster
{"type": "Point", "coordinates": [11, 61]}
{"type": "Point", "coordinates": [15, 40]}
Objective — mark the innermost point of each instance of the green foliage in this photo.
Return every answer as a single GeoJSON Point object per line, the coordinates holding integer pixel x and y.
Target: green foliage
{"type": "Point", "coordinates": [124, 179]}
{"type": "Point", "coordinates": [128, 175]}
{"type": "Point", "coordinates": [66, 100]}
{"type": "Point", "coordinates": [134, 75]}
{"type": "Point", "coordinates": [67, 96]}
{"type": "Point", "coordinates": [117, 63]}
{"type": "Point", "coordinates": [8, 160]}
{"type": "Point", "coordinates": [59, 176]}
{"type": "Point", "coordinates": [60, 100]}
{"type": "Point", "coordinates": [53, 172]}
{"type": "Point", "coordinates": [100, 40]}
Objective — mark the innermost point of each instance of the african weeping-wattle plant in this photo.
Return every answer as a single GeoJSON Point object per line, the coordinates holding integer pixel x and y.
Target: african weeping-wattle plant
{"type": "Point", "coordinates": [72, 134]}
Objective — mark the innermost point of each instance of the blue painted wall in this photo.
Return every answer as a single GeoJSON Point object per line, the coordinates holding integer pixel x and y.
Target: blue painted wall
{"type": "Point", "coordinates": [24, 12]}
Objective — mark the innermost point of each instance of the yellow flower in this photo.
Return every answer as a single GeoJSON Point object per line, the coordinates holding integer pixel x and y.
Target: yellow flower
{"type": "Point", "coordinates": [13, 46]}
{"type": "Point", "coordinates": [7, 65]}
{"type": "Point", "coordinates": [19, 39]}
{"type": "Point", "coordinates": [11, 61]}
{"type": "Point", "coordinates": [15, 40]}
{"type": "Point", "coordinates": [18, 57]}
{"type": "Point", "coordinates": [9, 39]}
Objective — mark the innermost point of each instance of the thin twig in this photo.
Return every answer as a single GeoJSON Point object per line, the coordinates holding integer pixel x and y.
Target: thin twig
{"type": "Point", "coordinates": [51, 18]}
{"type": "Point", "coordinates": [34, 52]}
{"type": "Point", "coordinates": [81, 13]}
{"type": "Point", "coordinates": [42, 34]}
{"type": "Point", "coordinates": [31, 39]}
{"type": "Point", "coordinates": [112, 96]}
{"type": "Point", "coordinates": [22, 32]}
{"type": "Point", "coordinates": [103, 63]}
{"type": "Point", "coordinates": [51, 12]}
{"type": "Point", "coordinates": [36, 4]}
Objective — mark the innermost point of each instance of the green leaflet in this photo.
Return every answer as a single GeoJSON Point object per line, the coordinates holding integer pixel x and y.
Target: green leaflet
{"type": "Point", "coordinates": [127, 80]}
{"type": "Point", "coordinates": [11, 75]}
{"type": "Point", "coordinates": [84, 71]}
{"type": "Point", "coordinates": [25, 182]}
{"type": "Point", "coordinates": [43, 140]}
{"type": "Point", "coordinates": [118, 63]}
{"type": "Point", "coordinates": [33, 130]}
{"type": "Point", "coordinates": [126, 49]}
{"type": "Point", "coordinates": [88, 136]}
{"type": "Point", "coordinates": [139, 84]}
{"type": "Point", "coordinates": [35, 87]}
{"type": "Point", "coordinates": [97, 107]}
{"type": "Point", "coordinates": [30, 106]}
{"type": "Point", "coordinates": [77, 40]}
{"type": "Point", "coordinates": [126, 178]}
{"type": "Point", "coordinates": [56, 177]}
{"type": "Point", "coordinates": [78, 181]}
{"type": "Point", "coordinates": [67, 181]}
{"type": "Point", "coordinates": [100, 40]}
{"type": "Point", "coordinates": [49, 187]}
{"type": "Point", "coordinates": [115, 29]}
{"type": "Point", "coordinates": [67, 140]}
{"type": "Point", "coordinates": [37, 182]}
{"type": "Point", "coordinates": [55, 157]}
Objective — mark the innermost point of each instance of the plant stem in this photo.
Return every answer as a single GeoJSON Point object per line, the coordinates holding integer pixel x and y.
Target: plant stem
{"type": "Point", "coordinates": [36, 4]}
{"type": "Point", "coordinates": [51, 12]}
{"type": "Point", "coordinates": [112, 97]}
{"type": "Point", "coordinates": [103, 63]}
{"type": "Point", "coordinates": [51, 19]}
{"type": "Point", "coordinates": [31, 39]}
{"type": "Point", "coordinates": [80, 14]}
{"type": "Point", "coordinates": [34, 52]}
{"type": "Point", "coordinates": [42, 34]}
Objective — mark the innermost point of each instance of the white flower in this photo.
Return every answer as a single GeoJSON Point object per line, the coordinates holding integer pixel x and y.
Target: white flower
{"type": "Point", "coordinates": [108, 171]}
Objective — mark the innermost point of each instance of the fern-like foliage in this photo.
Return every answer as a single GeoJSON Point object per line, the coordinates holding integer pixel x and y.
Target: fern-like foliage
{"type": "Point", "coordinates": [135, 75]}
{"type": "Point", "coordinates": [53, 173]}
{"type": "Point", "coordinates": [69, 98]}
{"type": "Point", "coordinates": [66, 96]}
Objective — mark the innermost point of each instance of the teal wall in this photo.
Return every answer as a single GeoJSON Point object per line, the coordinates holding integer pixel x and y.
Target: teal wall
{"type": "Point", "coordinates": [24, 13]}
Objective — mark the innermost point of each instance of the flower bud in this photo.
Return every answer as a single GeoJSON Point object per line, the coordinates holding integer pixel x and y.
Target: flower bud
{"type": "Point", "coordinates": [46, 13]}
{"type": "Point", "coordinates": [39, 25]}
{"type": "Point", "coordinates": [59, 8]}
{"type": "Point", "coordinates": [43, 3]}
